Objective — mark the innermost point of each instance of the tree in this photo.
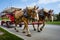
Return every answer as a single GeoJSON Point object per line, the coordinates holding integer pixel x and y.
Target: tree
{"type": "Point", "coordinates": [58, 17]}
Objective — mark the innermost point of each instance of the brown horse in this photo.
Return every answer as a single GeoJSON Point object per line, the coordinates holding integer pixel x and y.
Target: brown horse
{"type": "Point", "coordinates": [21, 17]}
{"type": "Point", "coordinates": [42, 14]}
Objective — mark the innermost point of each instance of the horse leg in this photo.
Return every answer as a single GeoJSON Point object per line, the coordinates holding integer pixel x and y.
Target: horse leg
{"type": "Point", "coordinates": [26, 27]}
{"type": "Point", "coordinates": [34, 27]}
{"type": "Point", "coordinates": [15, 28]}
{"type": "Point", "coordinates": [16, 25]}
{"type": "Point", "coordinates": [38, 28]}
{"type": "Point", "coordinates": [20, 23]}
{"type": "Point", "coordinates": [24, 30]}
{"type": "Point", "coordinates": [27, 30]}
{"type": "Point", "coordinates": [42, 26]}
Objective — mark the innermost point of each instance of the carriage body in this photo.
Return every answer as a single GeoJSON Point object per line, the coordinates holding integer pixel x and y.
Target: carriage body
{"type": "Point", "coordinates": [7, 19]}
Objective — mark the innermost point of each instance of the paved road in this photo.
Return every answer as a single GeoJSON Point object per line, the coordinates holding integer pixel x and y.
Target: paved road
{"type": "Point", "coordinates": [50, 32]}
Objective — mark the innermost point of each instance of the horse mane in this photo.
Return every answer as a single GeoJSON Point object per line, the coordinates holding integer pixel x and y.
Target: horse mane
{"type": "Point", "coordinates": [46, 10]}
{"type": "Point", "coordinates": [29, 10]}
{"type": "Point", "coordinates": [18, 13]}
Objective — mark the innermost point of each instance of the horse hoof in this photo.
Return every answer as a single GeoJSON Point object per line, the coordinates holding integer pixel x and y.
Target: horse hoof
{"type": "Point", "coordinates": [29, 35]}
{"type": "Point", "coordinates": [15, 28]}
{"type": "Point", "coordinates": [23, 32]}
{"type": "Point", "coordinates": [34, 29]}
{"type": "Point", "coordinates": [17, 31]}
{"type": "Point", "coordinates": [38, 31]}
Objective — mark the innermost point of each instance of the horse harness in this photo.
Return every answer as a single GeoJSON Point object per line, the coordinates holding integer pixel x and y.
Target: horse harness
{"type": "Point", "coordinates": [41, 14]}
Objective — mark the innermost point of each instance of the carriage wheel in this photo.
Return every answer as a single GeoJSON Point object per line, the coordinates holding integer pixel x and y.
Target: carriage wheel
{"type": "Point", "coordinates": [8, 24]}
{"type": "Point", "coordinates": [2, 22]}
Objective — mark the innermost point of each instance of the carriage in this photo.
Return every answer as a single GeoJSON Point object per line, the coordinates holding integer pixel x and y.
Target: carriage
{"type": "Point", "coordinates": [8, 20]}
{"type": "Point", "coordinates": [7, 17]}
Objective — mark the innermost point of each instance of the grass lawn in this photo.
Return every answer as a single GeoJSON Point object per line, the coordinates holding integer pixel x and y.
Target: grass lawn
{"type": "Point", "coordinates": [8, 36]}
{"type": "Point", "coordinates": [54, 22]}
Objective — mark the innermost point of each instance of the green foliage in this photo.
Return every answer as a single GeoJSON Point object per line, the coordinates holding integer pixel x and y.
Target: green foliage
{"type": "Point", "coordinates": [58, 17]}
{"type": "Point", "coordinates": [54, 22]}
{"type": "Point", "coordinates": [0, 18]}
{"type": "Point", "coordinates": [8, 36]}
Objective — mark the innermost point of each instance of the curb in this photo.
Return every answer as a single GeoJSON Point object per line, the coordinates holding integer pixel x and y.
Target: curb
{"type": "Point", "coordinates": [13, 33]}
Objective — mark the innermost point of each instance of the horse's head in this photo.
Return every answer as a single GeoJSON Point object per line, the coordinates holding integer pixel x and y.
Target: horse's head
{"type": "Point", "coordinates": [47, 13]}
{"type": "Point", "coordinates": [50, 15]}
{"type": "Point", "coordinates": [50, 12]}
{"type": "Point", "coordinates": [32, 12]}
